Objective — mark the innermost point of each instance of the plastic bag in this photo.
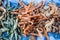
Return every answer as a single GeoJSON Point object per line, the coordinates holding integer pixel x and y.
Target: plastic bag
{"type": "Point", "coordinates": [38, 38]}
{"type": "Point", "coordinates": [25, 38]}
{"type": "Point", "coordinates": [58, 38]}
{"type": "Point", "coordinates": [14, 3]}
{"type": "Point", "coordinates": [52, 35]}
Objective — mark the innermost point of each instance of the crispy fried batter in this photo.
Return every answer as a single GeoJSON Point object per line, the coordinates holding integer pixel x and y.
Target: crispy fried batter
{"type": "Point", "coordinates": [36, 17]}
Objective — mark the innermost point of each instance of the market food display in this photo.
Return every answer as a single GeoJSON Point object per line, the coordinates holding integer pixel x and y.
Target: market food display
{"type": "Point", "coordinates": [31, 19]}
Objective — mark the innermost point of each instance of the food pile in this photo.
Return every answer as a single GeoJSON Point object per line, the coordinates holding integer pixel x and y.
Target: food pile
{"type": "Point", "coordinates": [36, 20]}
